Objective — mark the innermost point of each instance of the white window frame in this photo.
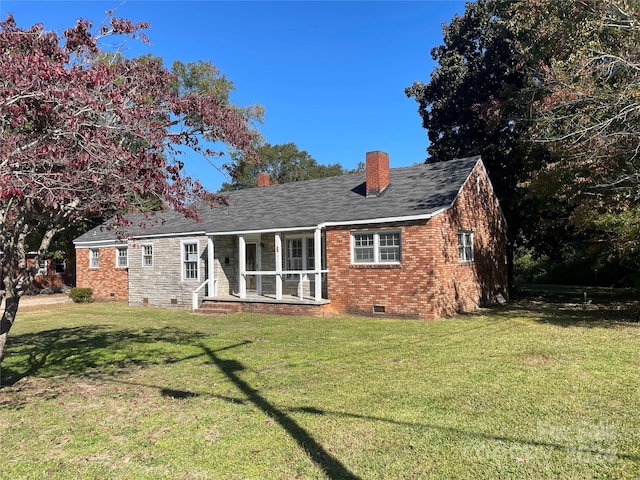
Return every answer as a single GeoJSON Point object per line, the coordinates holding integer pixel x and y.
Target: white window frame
{"type": "Point", "coordinates": [377, 248]}
{"type": "Point", "coordinates": [184, 261]}
{"type": "Point", "coordinates": [43, 267]}
{"type": "Point", "coordinates": [307, 262]}
{"type": "Point", "coordinates": [465, 246]}
{"type": "Point", "coordinates": [119, 257]}
{"type": "Point", "coordinates": [146, 255]}
{"type": "Point", "coordinates": [94, 258]}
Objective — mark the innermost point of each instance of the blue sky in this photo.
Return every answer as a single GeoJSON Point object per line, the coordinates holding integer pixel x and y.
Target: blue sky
{"type": "Point", "coordinates": [331, 75]}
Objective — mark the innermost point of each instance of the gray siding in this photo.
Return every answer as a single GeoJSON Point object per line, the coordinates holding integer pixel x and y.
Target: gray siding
{"type": "Point", "coordinates": [226, 263]}
{"type": "Point", "coordinates": [162, 284]}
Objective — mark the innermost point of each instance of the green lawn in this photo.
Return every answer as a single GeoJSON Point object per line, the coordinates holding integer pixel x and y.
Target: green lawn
{"type": "Point", "coordinates": [104, 391]}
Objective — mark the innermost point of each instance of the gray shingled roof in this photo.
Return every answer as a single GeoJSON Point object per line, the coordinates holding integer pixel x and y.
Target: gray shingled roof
{"type": "Point", "coordinates": [413, 191]}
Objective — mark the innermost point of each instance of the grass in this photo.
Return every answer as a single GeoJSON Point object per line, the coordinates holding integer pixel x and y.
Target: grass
{"type": "Point", "coordinates": [104, 391]}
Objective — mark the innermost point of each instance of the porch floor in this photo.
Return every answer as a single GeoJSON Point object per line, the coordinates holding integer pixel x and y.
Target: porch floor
{"type": "Point", "coordinates": [253, 297]}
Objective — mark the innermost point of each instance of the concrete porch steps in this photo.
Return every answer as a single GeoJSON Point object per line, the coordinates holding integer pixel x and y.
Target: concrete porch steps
{"type": "Point", "coordinates": [209, 307]}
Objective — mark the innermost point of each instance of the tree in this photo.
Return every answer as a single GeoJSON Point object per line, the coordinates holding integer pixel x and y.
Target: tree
{"type": "Point", "coordinates": [204, 78]}
{"type": "Point", "coordinates": [86, 132]}
{"type": "Point", "coordinates": [472, 104]}
{"type": "Point", "coordinates": [590, 116]}
{"type": "Point", "coordinates": [511, 84]}
{"type": "Point", "coordinates": [284, 163]}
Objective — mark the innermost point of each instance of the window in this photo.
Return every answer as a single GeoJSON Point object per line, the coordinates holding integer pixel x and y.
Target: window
{"type": "Point", "coordinates": [300, 255]}
{"type": "Point", "coordinates": [311, 261]}
{"type": "Point", "coordinates": [376, 247]}
{"type": "Point", "coordinates": [389, 247]}
{"type": "Point", "coordinates": [465, 246]}
{"type": "Point", "coordinates": [294, 254]}
{"type": "Point", "coordinates": [147, 255]}
{"type": "Point", "coordinates": [94, 258]}
{"type": "Point", "coordinates": [61, 265]}
{"type": "Point", "coordinates": [42, 267]}
{"type": "Point", "coordinates": [363, 248]}
{"type": "Point", "coordinates": [122, 257]}
{"type": "Point", "coordinates": [190, 261]}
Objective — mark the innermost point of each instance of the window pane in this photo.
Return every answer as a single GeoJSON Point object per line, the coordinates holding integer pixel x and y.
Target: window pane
{"type": "Point", "coordinates": [294, 254]}
{"type": "Point", "coordinates": [389, 239]}
{"type": "Point", "coordinates": [147, 255]}
{"type": "Point", "coordinates": [465, 246]}
{"type": "Point", "coordinates": [190, 261]}
{"type": "Point", "coordinates": [190, 252]}
{"type": "Point", "coordinates": [95, 258]}
{"type": "Point", "coordinates": [389, 247]}
{"type": "Point", "coordinates": [363, 248]}
{"type": "Point", "coordinates": [122, 257]}
{"type": "Point", "coordinates": [364, 240]}
{"type": "Point", "coordinates": [389, 254]}
{"type": "Point", "coordinates": [364, 254]}
{"type": "Point", "coordinates": [310, 254]}
{"type": "Point", "coordinates": [60, 265]}
{"type": "Point", "coordinates": [191, 270]}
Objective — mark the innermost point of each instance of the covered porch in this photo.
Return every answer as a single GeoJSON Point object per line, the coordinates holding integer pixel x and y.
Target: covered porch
{"type": "Point", "coordinates": [268, 267]}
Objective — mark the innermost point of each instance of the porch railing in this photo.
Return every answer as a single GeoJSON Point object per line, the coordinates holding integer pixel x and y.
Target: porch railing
{"type": "Point", "coordinates": [195, 297]}
{"type": "Point", "coordinates": [301, 274]}
{"type": "Point", "coordinates": [282, 274]}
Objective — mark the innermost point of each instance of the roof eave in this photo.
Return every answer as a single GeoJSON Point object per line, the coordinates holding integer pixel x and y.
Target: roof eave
{"type": "Point", "coordinates": [341, 223]}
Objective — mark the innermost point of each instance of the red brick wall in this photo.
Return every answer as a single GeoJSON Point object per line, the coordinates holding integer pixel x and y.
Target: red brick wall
{"type": "Point", "coordinates": [430, 282]}
{"type": "Point", "coordinates": [48, 280]}
{"type": "Point", "coordinates": [377, 172]}
{"type": "Point", "coordinates": [107, 281]}
{"type": "Point", "coordinates": [51, 278]}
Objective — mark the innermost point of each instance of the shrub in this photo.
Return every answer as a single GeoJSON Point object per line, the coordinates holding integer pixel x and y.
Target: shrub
{"type": "Point", "coordinates": [81, 295]}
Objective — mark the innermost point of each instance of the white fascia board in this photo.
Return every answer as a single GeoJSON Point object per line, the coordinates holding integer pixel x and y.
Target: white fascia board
{"type": "Point", "coordinates": [406, 218]}
{"type": "Point", "coordinates": [164, 235]}
{"type": "Point", "coordinates": [268, 230]}
{"type": "Point", "coordinates": [100, 243]}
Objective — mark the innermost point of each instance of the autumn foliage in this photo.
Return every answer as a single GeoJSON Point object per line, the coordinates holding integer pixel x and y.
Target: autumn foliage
{"type": "Point", "coordinates": [85, 130]}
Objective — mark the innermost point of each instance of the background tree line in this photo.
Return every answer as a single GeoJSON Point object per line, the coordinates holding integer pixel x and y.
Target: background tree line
{"type": "Point", "coordinates": [548, 93]}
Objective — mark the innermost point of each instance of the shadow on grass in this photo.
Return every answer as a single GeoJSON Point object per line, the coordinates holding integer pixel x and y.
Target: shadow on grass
{"type": "Point", "coordinates": [101, 351]}
{"type": "Point", "coordinates": [83, 350]}
{"type": "Point", "coordinates": [331, 466]}
{"type": "Point", "coordinates": [573, 309]}
{"type": "Point", "coordinates": [599, 449]}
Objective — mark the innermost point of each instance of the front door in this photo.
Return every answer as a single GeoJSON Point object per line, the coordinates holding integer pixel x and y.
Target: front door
{"type": "Point", "coordinates": [251, 264]}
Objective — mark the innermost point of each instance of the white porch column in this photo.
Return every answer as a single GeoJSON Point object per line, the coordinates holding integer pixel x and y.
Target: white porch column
{"type": "Point", "coordinates": [278, 254]}
{"type": "Point", "coordinates": [242, 267]}
{"type": "Point", "coordinates": [317, 257]}
{"type": "Point", "coordinates": [213, 285]}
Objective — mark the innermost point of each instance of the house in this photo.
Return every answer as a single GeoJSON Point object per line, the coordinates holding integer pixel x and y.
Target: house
{"type": "Point", "coordinates": [424, 241]}
{"type": "Point", "coordinates": [54, 273]}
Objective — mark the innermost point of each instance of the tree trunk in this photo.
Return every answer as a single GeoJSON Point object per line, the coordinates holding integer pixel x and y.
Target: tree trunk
{"type": "Point", "coordinates": [8, 317]}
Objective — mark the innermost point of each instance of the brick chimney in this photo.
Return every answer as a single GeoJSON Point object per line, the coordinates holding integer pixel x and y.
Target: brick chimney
{"type": "Point", "coordinates": [377, 168]}
{"type": "Point", "coordinates": [263, 179]}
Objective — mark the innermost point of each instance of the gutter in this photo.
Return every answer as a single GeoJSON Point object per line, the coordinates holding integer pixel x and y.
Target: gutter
{"type": "Point", "coordinates": [367, 221]}
{"type": "Point", "coordinates": [408, 218]}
